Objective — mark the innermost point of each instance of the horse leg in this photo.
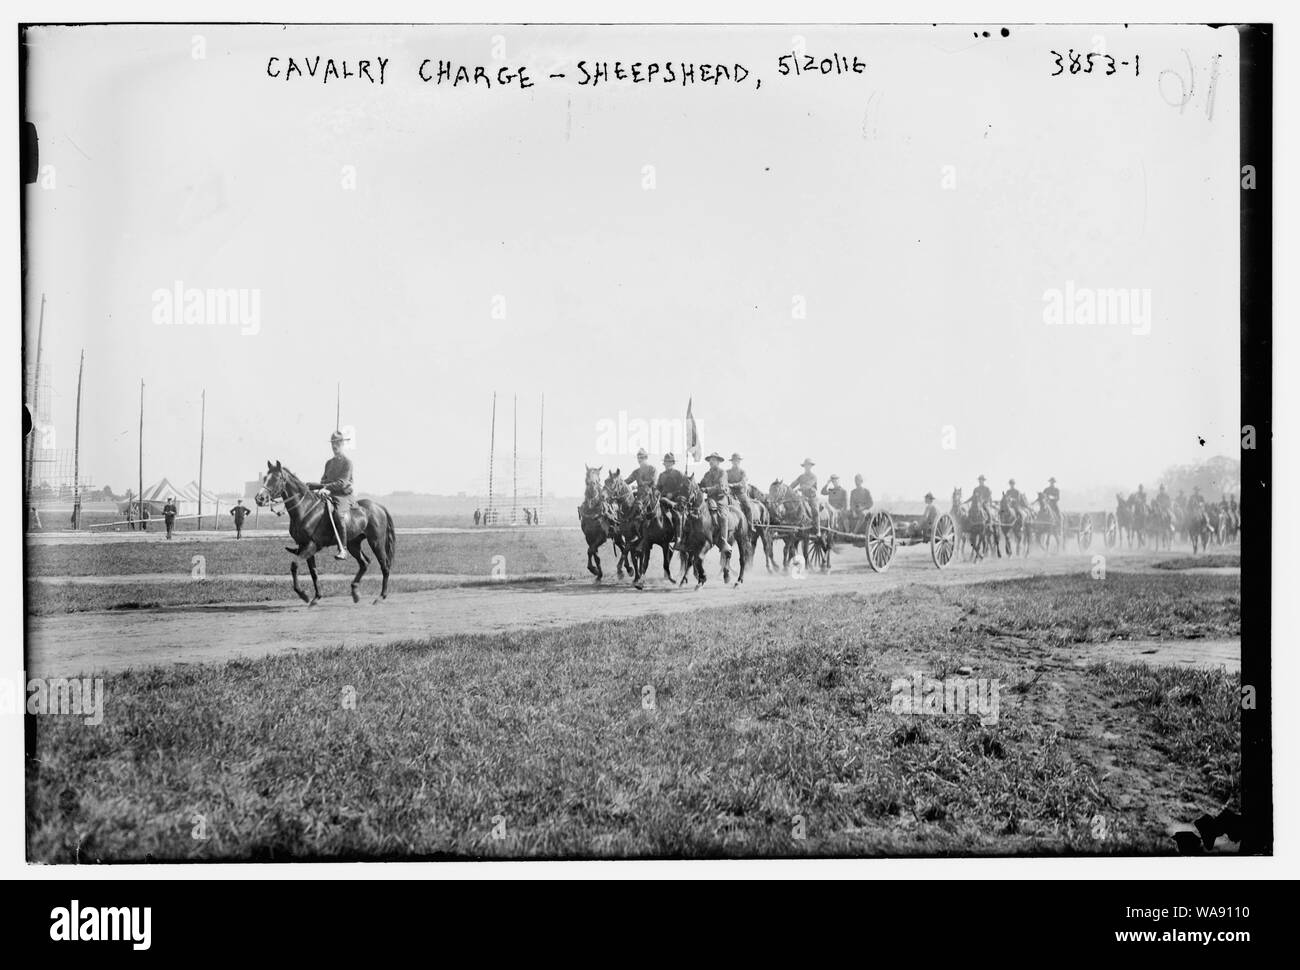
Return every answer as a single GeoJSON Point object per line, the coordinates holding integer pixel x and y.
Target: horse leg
{"type": "Point", "coordinates": [363, 562]}
{"type": "Point", "coordinates": [668, 558]}
{"type": "Point", "coordinates": [315, 580]}
{"type": "Point", "coordinates": [293, 571]}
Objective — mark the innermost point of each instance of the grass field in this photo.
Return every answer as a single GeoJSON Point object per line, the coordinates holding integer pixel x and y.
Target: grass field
{"type": "Point", "coordinates": [770, 731]}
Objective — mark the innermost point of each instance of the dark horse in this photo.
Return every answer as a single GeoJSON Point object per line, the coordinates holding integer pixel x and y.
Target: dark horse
{"type": "Point", "coordinates": [652, 527]}
{"type": "Point", "coordinates": [705, 528]}
{"type": "Point", "coordinates": [310, 527]}
{"type": "Point", "coordinates": [600, 523]}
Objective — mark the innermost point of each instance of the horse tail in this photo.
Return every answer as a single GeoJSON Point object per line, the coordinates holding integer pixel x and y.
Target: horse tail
{"type": "Point", "coordinates": [390, 537]}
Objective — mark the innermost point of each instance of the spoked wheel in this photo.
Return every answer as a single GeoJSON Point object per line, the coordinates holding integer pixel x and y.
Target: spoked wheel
{"type": "Point", "coordinates": [880, 541]}
{"type": "Point", "coordinates": [1084, 535]}
{"type": "Point", "coordinates": [1112, 530]}
{"type": "Point", "coordinates": [819, 551]}
{"type": "Point", "coordinates": [943, 540]}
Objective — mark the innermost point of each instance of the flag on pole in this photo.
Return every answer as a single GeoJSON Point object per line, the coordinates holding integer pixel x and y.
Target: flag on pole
{"type": "Point", "coordinates": [693, 449]}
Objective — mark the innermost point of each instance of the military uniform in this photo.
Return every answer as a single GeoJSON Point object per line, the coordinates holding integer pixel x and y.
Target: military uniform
{"type": "Point", "coordinates": [240, 512]}
{"type": "Point", "coordinates": [337, 480]}
{"type": "Point", "coordinates": [1162, 499]}
{"type": "Point", "coordinates": [738, 489]}
{"type": "Point", "coordinates": [860, 503]}
{"type": "Point", "coordinates": [643, 476]}
{"type": "Point", "coordinates": [982, 495]}
{"type": "Point", "coordinates": [169, 516]}
{"type": "Point", "coordinates": [672, 486]}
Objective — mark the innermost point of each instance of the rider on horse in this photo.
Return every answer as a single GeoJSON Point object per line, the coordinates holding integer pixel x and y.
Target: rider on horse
{"type": "Point", "coordinates": [1014, 495]}
{"type": "Point", "coordinates": [713, 483]}
{"type": "Point", "coordinates": [982, 496]}
{"type": "Point", "coordinates": [672, 487]}
{"type": "Point", "coordinates": [807, 484]}
{"type": "Point", "coordinates": [1052, 496]}
{"type": "Point", "coordinates": [335, 487]}
{"type": "Point", "coordinates": [644, 475]}
{"type": "Point", "coordinates": [1163, 500]}
{"type": "Point", "coordinates": [1138, 499]}
{"type": "Point", "coordinates": [738, 483]}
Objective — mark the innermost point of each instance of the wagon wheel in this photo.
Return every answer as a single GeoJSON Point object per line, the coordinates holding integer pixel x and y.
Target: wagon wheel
{"type": "Point", "coordinates": [1112, 530]}
{"type": "Point", "coordinates": [819, 551]}
{"type": "Point", "coordinates": [1084, 535]}
{"type": "Point", "coordinates": [880, 541]}
{"type": "Point", "coordinates": [943, 540]}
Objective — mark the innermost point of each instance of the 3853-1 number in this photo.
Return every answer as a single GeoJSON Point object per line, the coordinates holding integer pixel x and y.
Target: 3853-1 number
{"type": "Point", "coordinates": [1077, 63]}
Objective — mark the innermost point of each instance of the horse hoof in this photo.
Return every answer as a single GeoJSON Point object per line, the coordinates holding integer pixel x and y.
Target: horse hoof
{"type": "Point", "coordinates": [356, 597]}
{"type": "Point", "coordinates": [314, 600]}
{"type": "Point", "coordinates": [303, 597]}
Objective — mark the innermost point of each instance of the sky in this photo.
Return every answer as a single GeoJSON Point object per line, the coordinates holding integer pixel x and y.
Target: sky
{"type": "Point", "coordinates": [851, 267]}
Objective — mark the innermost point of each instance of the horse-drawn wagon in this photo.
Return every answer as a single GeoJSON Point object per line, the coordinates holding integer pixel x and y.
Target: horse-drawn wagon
{"type": "Point", "coordinates": [878, 532]}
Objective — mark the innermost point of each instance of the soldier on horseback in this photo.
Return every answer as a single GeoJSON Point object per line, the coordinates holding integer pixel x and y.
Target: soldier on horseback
{"type": "Point", "coordinates": [1162, 499]}
{"type": "Point", "coordinates": [738, 483]}
{"type": "Point", "coordinates": [644, 475]}
{"type": "Point", "coordinates": [1138, 500]}
{"type": "Point", "coordinates": [672, 487]}
{"type": "Point", "coordinates": [1014, 495]}
{"type": "Point", "coordinates": [335, 487]}
{"type": "Point", "coordinates": [807, 484]}
{"type": "Point", "coordinates": [982, 496]}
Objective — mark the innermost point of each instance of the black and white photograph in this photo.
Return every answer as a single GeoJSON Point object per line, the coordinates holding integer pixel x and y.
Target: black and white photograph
{"type": "Point", "coordinates": [644, 442]}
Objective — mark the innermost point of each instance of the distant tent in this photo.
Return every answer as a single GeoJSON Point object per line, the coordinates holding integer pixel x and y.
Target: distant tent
{"type": "Point", "coordinates": [187, 499]}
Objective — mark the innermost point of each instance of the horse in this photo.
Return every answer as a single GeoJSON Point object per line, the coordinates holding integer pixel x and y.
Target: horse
{"type": "Point", "coordinates": [962, 520]}
{"type": "Point", "coordinates": [1013, 521]}
{"type": "Point", "coordinates": [619, 495]}
{"type": "Point", "coordinates": [761, 517]}
{"type": "Point", "coordinates": [652, 527]}
{"type": "Point", "coordinates": [1160, 527]}
{"type": "Point", "coordinates": [705, 528]}
{"type": "Point", "coordinates": [1123, 520]}
{"type": "Point", "coordinates": [983, 527]}
{"type": "Point", "coordinates": [1229, 523]}
{"type": "Point", "coordinates": [598, 523]}
{"type": "Point", "coordinates": [1140, 514]}
{"type": "Point", "coordinates": [1197, 525]}
{"type": "Point", "coordinates": [791, 512]}
{"type": "Point", "coordinates": [1045, 524]}
{"type": "Point", "coordinates": [312, 528]}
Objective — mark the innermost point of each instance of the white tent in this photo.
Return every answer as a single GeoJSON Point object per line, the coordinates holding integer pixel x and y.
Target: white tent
{"type": "Point", "coordinates": [186, 497]}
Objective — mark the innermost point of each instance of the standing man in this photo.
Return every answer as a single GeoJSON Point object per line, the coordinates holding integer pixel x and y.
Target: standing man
{"type": "Point", "coordinates": [169, 515]}
{"type": "Point", "coordinates": [335, 487]}
{"type": "Point", "coordinates": [644, 474]}
{"type": "Point", "coordinates": [478, 516]}
{"type": "Point", "coordinates": [130, 511]}
{"type": "Point", "coordinates": [860, 503]}
{"type": "Point", "coordinates": [240, 512]}
{"type": "Point", "coordinates": [144, 516]}
{"type": "Point", "coordinates": [738, 483]}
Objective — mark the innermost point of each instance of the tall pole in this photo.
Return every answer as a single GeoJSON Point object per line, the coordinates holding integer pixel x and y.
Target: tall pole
{"type": "Point", "coordinates": [541, 460]}
{"type": "Point", "coordinates": [514, 466]}
{"type": "Point", "coordinates": [139, 496]}
{"type": "Point", "coordinates": [36, 405]}
{"type": "Point", "coordinates": [203, 420]}
{"type": "Point", "coordinates": [338, 403]}
{"type": "Point", "coordinates": [492, 450]}
{"type": "Point", "coordinates": [76, 451]}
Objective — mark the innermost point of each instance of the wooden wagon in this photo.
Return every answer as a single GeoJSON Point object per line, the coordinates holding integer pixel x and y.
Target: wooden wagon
{"type": "Point", "coordinates": [880, 535]}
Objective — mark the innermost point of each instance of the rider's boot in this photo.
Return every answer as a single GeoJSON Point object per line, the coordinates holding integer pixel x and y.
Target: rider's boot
{"type": "Point", "coordinates": [342, 520]}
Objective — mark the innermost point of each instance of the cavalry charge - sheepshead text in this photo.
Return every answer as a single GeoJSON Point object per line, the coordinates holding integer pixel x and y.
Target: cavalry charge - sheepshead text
{"type": "Point", "coordinates": [586, 73]}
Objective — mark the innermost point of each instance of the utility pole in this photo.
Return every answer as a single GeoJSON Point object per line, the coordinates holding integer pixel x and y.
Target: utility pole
{"type": "Point", "coordinates": [139, 496]}
{"type": "Point", "coordinates": [492, 450]}
{"type": "Point", "coordinates": [76, 451]}
{"type": "Point", "coordinates": [338, 404]}
{"type": "Point", "coordinates": [203, 420]}
{"type": "Point", "coordinates": [541, 461]}
{"type": "Point", "coordinates": [514, 467]}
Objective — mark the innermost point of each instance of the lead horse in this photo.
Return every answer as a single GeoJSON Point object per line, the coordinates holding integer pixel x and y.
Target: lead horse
{"type": "Point", "coordinates": [311, 528]}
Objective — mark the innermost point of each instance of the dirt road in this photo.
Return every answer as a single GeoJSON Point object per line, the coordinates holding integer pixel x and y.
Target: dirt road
{"type": "Point", "coordinates": [75, 643]}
